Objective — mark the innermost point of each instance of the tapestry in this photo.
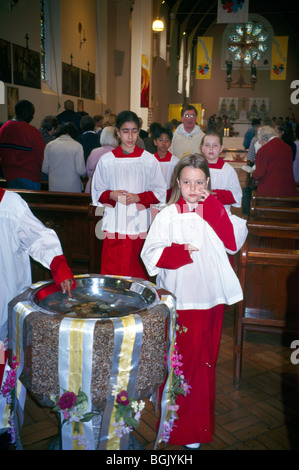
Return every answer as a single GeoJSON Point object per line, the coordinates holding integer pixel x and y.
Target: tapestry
{"type": "Point", "coordinates": [204, 57]}
{"type": "Point", "coordinates": [232, 11]}
{"type": "Point", "coordinates": [279, 58]}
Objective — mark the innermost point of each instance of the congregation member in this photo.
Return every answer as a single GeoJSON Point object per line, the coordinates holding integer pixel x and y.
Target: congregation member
{"type": "Point", "coordinates": [108, 141]}
{"type": "Point", "coordinates": [69, 115]}
{"type": "Point", "coordinates": [64, 160]}
{"type": "Point", "coordinates": [48, 127]}
{"type": "Point", "coordinates": [21, 149]}
{"type": "Point", "coordinates": [89, 139]}
{"type": "Point", "coordinates": [274, 166]}
{"type": "Point", "coordinates": [250, 133]}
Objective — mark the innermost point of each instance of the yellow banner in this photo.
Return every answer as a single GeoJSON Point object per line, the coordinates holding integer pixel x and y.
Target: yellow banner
{"type": "Point", "coordinates": [279, 58]}
{"type": "Point", "coordinates": [204, 57]}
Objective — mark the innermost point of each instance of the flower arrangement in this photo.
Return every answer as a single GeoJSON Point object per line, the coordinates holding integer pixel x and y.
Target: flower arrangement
{"type": "Point", "coordinates": [8, 391]}
{"type": "Point", "coordinates": [73, 408]}
{"type": "Point", "coordinates": [128, 412]}
{"type": "Point", "coordinates": [179, 386]}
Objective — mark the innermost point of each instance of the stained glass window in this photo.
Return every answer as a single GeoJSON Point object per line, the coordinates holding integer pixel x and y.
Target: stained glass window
{"type": "Point", "coordinates": [248, 41]}
{"type": "Point", "coordinates": [43, 38]}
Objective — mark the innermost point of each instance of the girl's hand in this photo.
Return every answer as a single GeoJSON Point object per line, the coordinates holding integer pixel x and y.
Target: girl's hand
{"type": "Point", "coordinates": [118, 196]}
{"type": "Point", "coordinates": [132, 198]}
{"type": "Point", "coordinates": [66, 286]}
{"type": "Point", "coordinates": [123, 197]}
{"type": "Point", "coordinates": [203, 194]}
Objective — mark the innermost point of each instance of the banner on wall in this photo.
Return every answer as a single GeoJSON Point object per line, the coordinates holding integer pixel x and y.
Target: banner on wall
{"type": "Point", "coordinates": [232, 11]}
{"type": "Point", "coordinates": [279, 58]}
{"type": "Point", "coordinates": [204, 57]}
{"type": "Point", "coordinates": [145, 81]}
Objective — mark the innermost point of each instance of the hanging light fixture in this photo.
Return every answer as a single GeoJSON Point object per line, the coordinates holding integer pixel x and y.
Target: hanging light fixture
{"type": "Point", "coordinates": [158, 25]}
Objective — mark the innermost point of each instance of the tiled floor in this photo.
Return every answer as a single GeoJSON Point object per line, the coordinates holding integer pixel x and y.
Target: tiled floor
{"type": "Point", "coordinates": [262, 415]}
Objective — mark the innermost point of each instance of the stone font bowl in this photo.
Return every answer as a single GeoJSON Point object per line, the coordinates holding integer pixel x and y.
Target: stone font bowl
{"type": "Point", "coordinates": [100, 298]}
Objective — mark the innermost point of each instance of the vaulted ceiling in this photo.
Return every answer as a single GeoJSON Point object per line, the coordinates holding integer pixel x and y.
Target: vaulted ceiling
{"type": "Point", "coordinates": [197, 16]}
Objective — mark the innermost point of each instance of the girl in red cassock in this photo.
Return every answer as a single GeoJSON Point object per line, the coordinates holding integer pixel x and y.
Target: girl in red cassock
{"type": "Point", "coordinates": [186, 248]}
{"type": "Point", "coordinates": [126, 182]}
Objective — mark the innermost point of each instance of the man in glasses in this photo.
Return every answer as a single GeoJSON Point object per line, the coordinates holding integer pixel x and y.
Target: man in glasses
{"type": "Point", "coordinates": [188, 135]}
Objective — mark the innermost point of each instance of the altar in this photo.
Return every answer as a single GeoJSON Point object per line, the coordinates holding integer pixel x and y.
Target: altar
{"type": "Point", "coordinates": [241, 127]}
{"type": "Point", "coordinates": [233, 143]}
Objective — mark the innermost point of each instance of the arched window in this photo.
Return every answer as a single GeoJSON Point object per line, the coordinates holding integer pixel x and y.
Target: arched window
{"type": "Point", "coordinates": [248, 41]}
{"type": "Point", "coordinates": [181, 66]}
{"type": "Point", "coordinates": [50, 44]}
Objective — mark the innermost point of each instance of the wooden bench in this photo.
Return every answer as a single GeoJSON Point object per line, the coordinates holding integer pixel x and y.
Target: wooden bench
{"type": "Point", "coordinates": [269, 233]}
{"type": "Point", "coordinates": [74, 220]}
{"type": "Point", "coordinates": [276, 208]}
{"type": "Point", "coordinates": [269, 278]}
{"type": "Point", "coordinates": [274, 201]}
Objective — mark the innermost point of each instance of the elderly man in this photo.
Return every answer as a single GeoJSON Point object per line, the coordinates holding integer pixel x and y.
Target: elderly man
{"type": "Point", "coordinates": [69, 115]}
{"type": "Point", "coordinates": [188, 135]}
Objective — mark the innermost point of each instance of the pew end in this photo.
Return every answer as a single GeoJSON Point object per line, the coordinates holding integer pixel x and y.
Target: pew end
{"type": "Point", "coordinates": [269, 278]}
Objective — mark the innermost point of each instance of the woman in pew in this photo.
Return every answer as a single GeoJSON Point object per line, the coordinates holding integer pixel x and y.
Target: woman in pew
{"type": "Point", "coordinates": [64, 160]}
{"type": "Point", "coordinates": [108, 142]}
{"type": "Point", "coordinates": [274, 166]}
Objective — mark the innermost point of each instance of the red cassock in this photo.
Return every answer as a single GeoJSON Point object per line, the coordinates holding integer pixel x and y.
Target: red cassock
{"type": "Point", "coordinates": [202, 283]}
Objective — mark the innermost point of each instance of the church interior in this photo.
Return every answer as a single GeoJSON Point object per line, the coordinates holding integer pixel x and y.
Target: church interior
{"type": "Point", "coordinates": [106, 57]}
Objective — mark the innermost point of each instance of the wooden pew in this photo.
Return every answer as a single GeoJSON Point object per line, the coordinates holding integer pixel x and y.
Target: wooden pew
{"type": "Point", "coordinates": [269, 278]}
{"type": "Point", "coordinates": [273, 234]}
{"type": "Point", "coordinates": [74, 220]}
{"type": "Point", "coordinates": [276, 208]}
{"type": "Point", "coordinates": [274, 201]}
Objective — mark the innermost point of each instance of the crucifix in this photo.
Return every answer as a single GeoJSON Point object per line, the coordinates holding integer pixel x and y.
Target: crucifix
{"type": "Point", "coordinates": [243, 45]}
{"type": "Point", "coordinates": [88, 64]}
{"type": "Point", "coordinates": [27, 39]}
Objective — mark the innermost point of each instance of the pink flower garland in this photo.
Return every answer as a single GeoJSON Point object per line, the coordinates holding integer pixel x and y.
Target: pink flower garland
{"type": "Point", "coordinates": [8, 392]}
{"type": "Point", "coordinates": [178, 387]}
